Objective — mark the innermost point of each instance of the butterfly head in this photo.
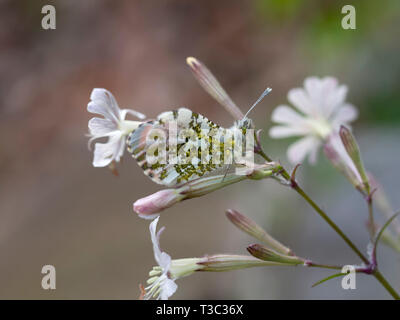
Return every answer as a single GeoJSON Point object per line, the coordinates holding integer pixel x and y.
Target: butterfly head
{"type": "Point", "coordinates": [245, 123]}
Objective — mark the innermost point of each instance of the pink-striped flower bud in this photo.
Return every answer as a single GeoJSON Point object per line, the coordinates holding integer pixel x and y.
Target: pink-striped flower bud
{"type": "Point", "coordinates": [213, 87]}
{"type": "Point", "coordinates": [263, 253]}
{"type": "Point", "coordinates": [247, 225]}
{"type": "Point", "coordinates": [149, 206]}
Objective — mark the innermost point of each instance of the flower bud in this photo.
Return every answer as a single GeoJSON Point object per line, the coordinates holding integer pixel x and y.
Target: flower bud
{"type": "Point", "coordinates": [253, 229]}
{"type": "Point", "coordinates": [351, 146]}
{"type": "Point", "coordinates": [212, 86]}
{"type": "Point", "coordinates": [261, 252]}
{"type": "Point", "coordinates": [147, 207]}
{"type": "Point", "coordinates": [227, 262]}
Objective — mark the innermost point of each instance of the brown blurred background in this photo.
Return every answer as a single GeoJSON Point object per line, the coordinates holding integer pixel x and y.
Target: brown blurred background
{"type": "Point", "coordinates": [55, 208]}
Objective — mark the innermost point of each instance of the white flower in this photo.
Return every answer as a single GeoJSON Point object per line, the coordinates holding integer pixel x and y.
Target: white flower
{"type": "Point", "coordinates": [160, 285]}
{"type": "Point", "coordinates": [321, 109]}
{"type": "Point", "coordinates": [113, 126]}
{"type": "Point", "coordinates": [162, 277]}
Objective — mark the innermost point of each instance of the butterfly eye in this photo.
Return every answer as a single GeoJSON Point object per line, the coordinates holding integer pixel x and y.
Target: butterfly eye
{"type": "Point", "coordinates": [249, 123]}
{"type": "Point", "coordinates": [246, 123]}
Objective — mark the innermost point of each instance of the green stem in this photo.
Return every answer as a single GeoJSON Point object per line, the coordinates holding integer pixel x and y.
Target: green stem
{"type": "Point", "coordinates": [324, 266]}
{"type": "Point", "coordinates": [333, 225]}
{"type": "Point", "coordinates": [371, 222]}
{"type": "Point", "coordinates": [378, 275]}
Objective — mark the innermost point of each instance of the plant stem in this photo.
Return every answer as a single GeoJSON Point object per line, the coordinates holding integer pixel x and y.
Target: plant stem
{"type": "Point", "coordinates": [300, 191]}
{"type": "Point", "coordinates": [376, 273]}
{"type": "Point", "coordinates": [324, 266]}
{"type": "Point", "coordinates": [371, 221]}
{"type": "Point", "coordinates": [331, 223]}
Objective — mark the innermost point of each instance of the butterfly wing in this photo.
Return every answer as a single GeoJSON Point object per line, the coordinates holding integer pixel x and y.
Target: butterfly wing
{"type": "Point", "coordinates": [148, 142]}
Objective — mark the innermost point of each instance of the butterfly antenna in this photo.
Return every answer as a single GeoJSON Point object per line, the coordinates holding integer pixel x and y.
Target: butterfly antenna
{"type": "Point", "coordinates": [266, 91]}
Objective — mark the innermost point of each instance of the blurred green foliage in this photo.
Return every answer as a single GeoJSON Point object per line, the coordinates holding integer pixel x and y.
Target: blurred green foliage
{"type": "Point", "coordinates": [367, 59]}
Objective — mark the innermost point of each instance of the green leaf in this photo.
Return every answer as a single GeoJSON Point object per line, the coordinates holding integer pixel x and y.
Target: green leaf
{"type": "Point", "coordinates": [379, 235]}
{"type": "Point", "coordinates": [328, 278]}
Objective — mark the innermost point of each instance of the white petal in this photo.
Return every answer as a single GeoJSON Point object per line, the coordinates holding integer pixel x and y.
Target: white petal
{"type": "Point", "coordinates": [313, 86]}
{"type": "Point", "coordinates": [104, 103]}
{"type": "Point", "coordinates": [336, 142]}
{"type": "Point", "coordinates": [346, 114]}
{"type": "Point", "coordinates": [319, 90]}
{"type": "Point", "coordinates": [334, 100]}
{"type": "Point", "coordinates": [300, 99]}
{"type": "Point", "coordinates": [312, 83]}
{"type": "Point", "coordinates": [287, 131]}
{"type": "Point", "coordinates": [134, 113]}
{"type": "Point", "coordinates": [164, 261]}
{"type": "Point", "coordinates": [100, 107]}
{"type": "Point", "coordinates": [106, 97]}
{"type": "Point", "coordinates": [162, 258]}
{"type": "Point", "coordinates": [148, 216]}
{"type": "Point", "coordinates": [153, 229]}
{"type": "Point", "coordinates": [154, 239]}
{"type": "Point", "coordinates": [329, 85]}
{"type": "Point", "coordinates": [104, 153]}
{"type": "Point", "coordinates": [101, 127]}
{"type": "Point", "coordinates": [168, 288]}
{"type": "Point", "coordinates": [159, 233]}
{"type": "Point", "coordinates": [286, 115]}
{"type": "Point", "coordinates": [299, 150]}
{"type": "Point", "coordinates": [313, 155]}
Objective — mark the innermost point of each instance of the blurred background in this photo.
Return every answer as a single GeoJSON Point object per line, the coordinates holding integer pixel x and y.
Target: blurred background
{"type": "Point", "coordinates": [55, 208]}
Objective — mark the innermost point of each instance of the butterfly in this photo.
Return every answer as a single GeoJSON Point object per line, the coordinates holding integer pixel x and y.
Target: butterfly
{"type": "Point", "coordinates": [180, 145]}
